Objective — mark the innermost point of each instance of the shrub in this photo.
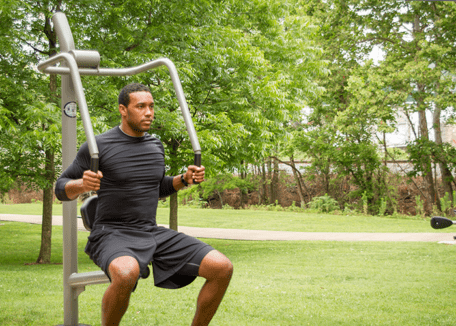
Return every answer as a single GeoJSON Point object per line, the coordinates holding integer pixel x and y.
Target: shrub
{"type": "Point", "coordinates": [445, 203]}
{"type": "Point", "coordinates": [382, 208]}
{"type": "Point", "coordinates": [324, 204]}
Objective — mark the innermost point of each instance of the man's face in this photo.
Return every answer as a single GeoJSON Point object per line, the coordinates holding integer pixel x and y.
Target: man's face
{"type": "Point", "coordinates": [140, 112]}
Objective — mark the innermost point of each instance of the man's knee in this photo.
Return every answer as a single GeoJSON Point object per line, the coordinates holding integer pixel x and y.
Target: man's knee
{"type": "Point", "coordinates": [124, 272]}
{"type": "Point", "coordinates": [216, 266]}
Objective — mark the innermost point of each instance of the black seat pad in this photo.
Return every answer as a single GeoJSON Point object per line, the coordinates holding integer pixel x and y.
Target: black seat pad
{"type": "Point", "coordinates": [88, 211]}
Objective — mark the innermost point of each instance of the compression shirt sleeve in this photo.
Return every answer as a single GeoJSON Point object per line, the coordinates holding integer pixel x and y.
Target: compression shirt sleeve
{"type": "Point", "coordinates": [75, 171]}
{"type": "Point", "coordinates": [166, 187]}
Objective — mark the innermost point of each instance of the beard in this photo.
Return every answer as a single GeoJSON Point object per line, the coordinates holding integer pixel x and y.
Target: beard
{"type": "Point", "coordinates": [137, 127]}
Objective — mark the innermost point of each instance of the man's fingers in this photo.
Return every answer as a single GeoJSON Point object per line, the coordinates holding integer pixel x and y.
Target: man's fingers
{"type": "Point", "coordinates": [93, 175]}
{"type": "Point", "coordinates": [195, 168]}
{"type": "Point", "coordinates": [198, 176]}
{"type": "Point", "coordinates": [91, 180]}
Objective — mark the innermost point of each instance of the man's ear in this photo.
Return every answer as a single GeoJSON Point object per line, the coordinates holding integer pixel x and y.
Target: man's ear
{"type": "Point", "coordinates": [123, 110]}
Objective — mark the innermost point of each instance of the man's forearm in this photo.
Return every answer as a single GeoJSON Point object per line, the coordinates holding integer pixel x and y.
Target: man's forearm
{"type": "Point", "coordinates": [177, 182]}
{"type": "Point", "coordinates": [74, 188]}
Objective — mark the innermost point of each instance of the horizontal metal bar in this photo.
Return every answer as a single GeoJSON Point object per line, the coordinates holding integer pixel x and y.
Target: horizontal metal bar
{"type": "Point", "coordinates": [89, 278]}
{"type": "Point", "coordinates": [136, 70]}
{"type": "Point", "coordinates": [111, 71]}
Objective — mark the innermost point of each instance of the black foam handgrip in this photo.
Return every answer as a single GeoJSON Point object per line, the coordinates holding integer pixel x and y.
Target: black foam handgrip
{"type": "Point", "coordinates": [94, 161]}
{"type": "Point", "coordinates": [197, 162]}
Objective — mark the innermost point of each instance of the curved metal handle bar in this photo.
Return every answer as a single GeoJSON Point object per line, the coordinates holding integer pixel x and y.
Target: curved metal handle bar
{"type": "Point", "coordinates": [136, 70]}
{"type": "Point", "coordinates": [76, 79]}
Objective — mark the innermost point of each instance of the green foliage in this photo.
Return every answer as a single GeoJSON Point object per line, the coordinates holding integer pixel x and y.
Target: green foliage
{"type": "Point", "coordinates": [275, 207]}
{"type": "Point", "coordinates": [4, 198]}
{"type": "Point", "coordinates": [382, 209]}
{"type": "Point", "coordinates": [37, 131]}
{"type": "Point", "coordinates": [397, 153]}
{"type": "Point", "coordinates": [446, 203]}
{"type": "Point", "coordinates": [439, 153]}
{"type": "Point", "coordinates": [243, 75]}
{"type": "Point", "coordinates": [419, 206]}
{"type": "Point", "coordinates": [215, 186]}
{"type": "Point", "coordinates": [365, 204]}
{"type": "Point", "coordinates": [247, 69]}
{"type": "Point", "coordinates": [324, 204]}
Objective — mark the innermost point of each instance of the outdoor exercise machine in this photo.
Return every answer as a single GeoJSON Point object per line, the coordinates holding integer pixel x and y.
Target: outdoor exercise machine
{"type": "Point", "coordinates": [439, 222]}
{"type": "Point", "coordinates": [73, 64]}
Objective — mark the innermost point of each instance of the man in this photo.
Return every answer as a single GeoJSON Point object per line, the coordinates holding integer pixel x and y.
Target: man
{"type": "Point", "coordinates": [125, 237]}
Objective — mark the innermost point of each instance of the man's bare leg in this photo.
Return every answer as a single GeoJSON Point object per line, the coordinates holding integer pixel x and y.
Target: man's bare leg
{"type": "Point", "coordinates": [217, 270]}
{"type": "Point", "coordinates": [124, 273]}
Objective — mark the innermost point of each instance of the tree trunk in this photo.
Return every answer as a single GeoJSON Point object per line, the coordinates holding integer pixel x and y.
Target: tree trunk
{"type": "Point", "coordinates": [386, 149]}
{"type": "Point", "coordinates": [298, 182]}
{"type": "Point", "coordinates": [275, 182]}
{"type": "Point", "coordinates": [220, 197]}
{"type": "Point", "coordinates": [427, 165]}
{"type": "Point", "coordinates": [271, 195]}
{"type": "Point", "coordinates": [265, 184]}
{"type": "Point", "coordinates": [327, 177]}
{"type": "Point", "coordinates": [48, 197]}
{"type": "Point", "coordinates": [44, 256]}
{"type": "Point", "coordinates": [424, 134]}
{"type": "Point", "coordinates": [447, 176]}
{"type": "Point", "coordinates": [243, 170]}
{"type": "Point", "coordinates": [173, 211]}
{"type": "Point", "coordinates": [173, 146]}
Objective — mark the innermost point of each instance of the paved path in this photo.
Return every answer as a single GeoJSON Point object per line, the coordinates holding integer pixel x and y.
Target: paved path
{"type": "Point", "coordinates": [270, 235]}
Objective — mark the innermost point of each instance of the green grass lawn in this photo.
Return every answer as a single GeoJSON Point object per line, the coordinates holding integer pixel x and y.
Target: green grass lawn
{"type": "Point", "coordinates": [274, 283]}
{"type": "Point", "coordinates": [30, 209]}
{"type": "Point", "coordinates": [268, 220]}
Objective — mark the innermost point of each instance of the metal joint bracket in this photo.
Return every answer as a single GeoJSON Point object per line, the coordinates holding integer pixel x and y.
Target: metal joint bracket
{"type": "Point", "coordinates": [78, 291]}
{"type": "Point", "coordinates": [86, 58]}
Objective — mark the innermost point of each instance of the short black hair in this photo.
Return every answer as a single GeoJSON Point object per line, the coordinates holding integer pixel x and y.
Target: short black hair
{"type": "Point", "coordinates": [124, 95]}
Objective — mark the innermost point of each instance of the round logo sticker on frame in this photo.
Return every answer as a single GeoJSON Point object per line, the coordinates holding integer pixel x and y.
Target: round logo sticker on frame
{"type": "Point", "coordinates": [70, 109]}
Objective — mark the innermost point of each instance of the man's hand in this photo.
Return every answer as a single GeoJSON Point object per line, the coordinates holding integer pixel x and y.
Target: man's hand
{"type": "Point", "coordinates": [194, 173]}
{"type": "Point", "coordinates": [90, 181]}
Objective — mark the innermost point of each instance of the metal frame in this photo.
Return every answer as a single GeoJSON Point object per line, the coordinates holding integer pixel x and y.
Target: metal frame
{"type": "Point", "coordinates": [77, 63]}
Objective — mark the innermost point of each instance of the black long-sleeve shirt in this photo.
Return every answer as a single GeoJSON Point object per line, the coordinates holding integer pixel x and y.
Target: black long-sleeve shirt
{"type": "Point", "coordinates": [133, 179]}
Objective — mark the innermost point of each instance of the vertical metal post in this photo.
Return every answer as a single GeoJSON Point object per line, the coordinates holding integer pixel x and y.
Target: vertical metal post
{"type": "Point", "coordinates": [70, 235]}
{"type": "Point", "coordinates": [69, 136]}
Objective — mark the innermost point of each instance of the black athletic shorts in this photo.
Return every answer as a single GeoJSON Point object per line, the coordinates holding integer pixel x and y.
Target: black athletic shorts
{"type": "Point", "coordinates": [175, 256]}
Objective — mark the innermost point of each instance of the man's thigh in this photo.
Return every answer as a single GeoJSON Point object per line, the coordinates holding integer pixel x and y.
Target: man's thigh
{"type": "Point", "coordinates": [124, 267]}
{"type": "Point", "coordinates": [215, 265]}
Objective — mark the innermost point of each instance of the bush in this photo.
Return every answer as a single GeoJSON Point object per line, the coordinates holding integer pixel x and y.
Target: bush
{"type": "Point", "coordinates": [215, 186]}
{"type": "Point", "coordinates": [382, 209]}
{"type": "Point", "coordinates": [324, 204]}
{"type": "Point", "coordinates": [445, 203]}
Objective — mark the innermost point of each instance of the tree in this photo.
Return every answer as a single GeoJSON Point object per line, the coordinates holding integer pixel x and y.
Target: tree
{"type": "Point", "coordinates": [338, 133]}
{"type": "Point", "coordinates": [418, 39]}
{"type": "Point", "coordinates": [33, 132]}
{"type": "Point", "coordinates": [419, 55]}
